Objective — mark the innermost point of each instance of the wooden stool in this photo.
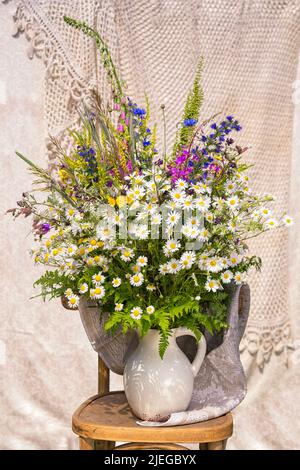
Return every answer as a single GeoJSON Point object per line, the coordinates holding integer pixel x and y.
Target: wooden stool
{"type": "Point", "coordinates": [106, 418]}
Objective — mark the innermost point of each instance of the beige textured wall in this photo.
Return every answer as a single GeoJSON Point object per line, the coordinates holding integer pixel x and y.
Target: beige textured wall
{"type": "Point", "coordinates": [48, 367]}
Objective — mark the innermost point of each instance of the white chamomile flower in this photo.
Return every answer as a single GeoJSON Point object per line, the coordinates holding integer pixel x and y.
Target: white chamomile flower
{"type": "Point", "coordinates": [136, 313]}
{"type": "Point", "coordinates": [202, 203]}
{"type": "Point", "coordinates": [202, 262]}
{"type": "Point", "coordinates": [265, 212]}
{"type": "Point", "coordinates": [204, 235]}
{"type": "Point", "coordinates": [218, 202]}
{"type": "Point", "coordinates": [73, 301]}
{"type": "Point", "coordinates": [173, 218]}
{"type": "Point", "coordinates": [127, 254]}
{"type": "Point", "coordinates": [68, 293]}
{"type": "Point", "coordinates": [156, 219]}
{"type": "Point", "coordinates": [142, 232]}
{"type": "Point", "coordinates": [137, 192]}
{"type": "Point", "coordinates": [90, 261]}
{"type": "Point", "coordinates": [151, 287]}
{"type": "Point", "coordinates": [116, 282]}
{"type": "Point", "coordinates": [141, 217]}
{"type": "Point", "coordinates": [150, 208]}
{"type": "Point", "coordinates": [197, 188]}
{"type": "Point", "coordinates": [223, 263]}
{"type": "Point", "coordinates": [139, 179]}
{"type": "Point", "coordinates": [190, 231]}
{"type": "Point", "coordinates": [193, 221]}
{"type": "Point", "coordinates": [246, 190]}
{"type": "Point", "coordinates": [151, 185]}
{"type": "Point", "coordinates": [164, 269]}
{"type": "Point", "coordinates": [135, 205]}
{"type": "Point", "coordinates": [178, 196]}
{"type": "Point", "coordinates": [213, 265]}
{"type": "Point", "coordinates": [198, 297]}
{"type": "Point", "coordinates": [173, 205]}
{"type": "Point", "coordinates": [287, 221]}
{"type": "Point", "coordinates": [188, 203]}
{"type": "Point", "coordinates": [106, 233]}
{"type": "Point", "coordinates": [256, 215]}
{"type": "Point", "coordinates": [135, 268]}
{"type": "Point", "coordinates": [119, 307]}
{"type": "Point", "coordinates": [233, 202]}
{"type": "Point", "coordinates": [71, 213]}
{"type": "Point", "coordinates": [83, 288]}
{"type": "Point", "coordinates": [181, 184]}
{"type": "Point", "coordinates": [238, 278]}
{"type": "Point", "coordinates": [56, 252]}
{"type": "Point", "coordinates": [212, 286]}
{"type": "Point", "coordinates": [233, 260]}
{"type": "Point", "coordinates": [71, 250]}
{"type": "Point", "coordinates": [137, 279]}
{"type": "Point", "coordinates": [142, 261]}
{"type": "Point", "coordinates": [204, 188]}
{"type": "Point", "coordinates": [150, 309]}
{"type": "Point", "coordinates": [97, 293]}
{"type": "Point", "coordinates": [118, 217]}
{"type": "Point", "coordinates": [172, 246]}
{"type": "Point", "coordinates": [187, 259]}
{"type": "Point", "coordinates": [232, 226]}
{"type": "Point", "coordinates": [174, 266]}
{"type": "Point", "coordinates": [209, 217]}
{"type": "Point", "coordinates": [271, 223]}
{"type": "Point", "coordinates": [226, 277]}
{"type": "Point", "coordinates": [230, 186]}
{"type": "Point", "coordinates": [98, 278]}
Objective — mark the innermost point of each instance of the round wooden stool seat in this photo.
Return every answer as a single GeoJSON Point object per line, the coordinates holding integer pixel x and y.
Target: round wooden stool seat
{"type": "Point", "coordinates": [109, 418]}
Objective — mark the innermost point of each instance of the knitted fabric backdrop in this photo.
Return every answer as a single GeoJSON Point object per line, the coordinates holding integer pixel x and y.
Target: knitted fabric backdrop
{"type": "Point", "coordinates": [250, 49]}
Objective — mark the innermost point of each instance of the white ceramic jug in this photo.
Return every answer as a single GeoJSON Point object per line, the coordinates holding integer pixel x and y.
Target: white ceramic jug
{"type": "Point", "coordinates": [157, 387]}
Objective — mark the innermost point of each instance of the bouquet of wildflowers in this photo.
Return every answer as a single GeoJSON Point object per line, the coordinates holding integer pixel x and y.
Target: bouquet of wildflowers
{"type": "Point", "coordinates": [153, 239]}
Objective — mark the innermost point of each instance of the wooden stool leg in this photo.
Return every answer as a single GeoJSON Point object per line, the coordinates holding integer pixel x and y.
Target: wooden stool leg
{"type": "Point", "coordinates": [203, 446]}
{"type": "Point", "coordinates": [219, 445]}
{"type": "Point", "coordinates": [104, 445]}
{"type": "Point", "coordinates": [86, 444]}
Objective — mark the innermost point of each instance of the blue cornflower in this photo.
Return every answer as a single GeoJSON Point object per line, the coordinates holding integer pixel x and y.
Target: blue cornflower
{"type": "Point", "coordinates": [212, 136]}
{"type": "Point", "coordinates": [214, 126]}
{"type": "Point", "coordinates": [237, 127]}
{"type": "Point", "coordinates": [204, 138]}
{"type": "Point", "coordinates": [139, 112]}
{"type": "Point", "coordinates": [204, 151]}
{"type": "Point", "coordinates": [229, 118]}
{"type": "Point", "coordinates": [221, 138]}
{"type": "Point", "coordinates": [146, 143]}
{"type": "Point", "coordinates": [148, 130]}
{"type": "Point", "coordinates": [189, 122]}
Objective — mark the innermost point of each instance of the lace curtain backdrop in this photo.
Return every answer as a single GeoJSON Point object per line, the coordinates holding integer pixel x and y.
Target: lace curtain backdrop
{"type": "Point", "coordinates": [251, 52]}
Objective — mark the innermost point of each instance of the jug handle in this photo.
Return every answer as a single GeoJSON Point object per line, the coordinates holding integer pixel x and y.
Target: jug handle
{"type": "Point", "coordinates": [197, 362]}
